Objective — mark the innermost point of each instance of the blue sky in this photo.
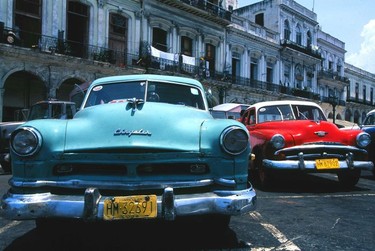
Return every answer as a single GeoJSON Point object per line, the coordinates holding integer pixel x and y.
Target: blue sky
{"type": "Point", "coordinates": [351, 21]}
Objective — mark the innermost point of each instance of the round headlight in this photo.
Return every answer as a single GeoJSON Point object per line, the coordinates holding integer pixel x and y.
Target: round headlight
{"type": "Point", "coordinates": [26, 141]}
{"type": "Point", "coordinates": [234, 140]}
{"type": "Point", "coordinates": [277, 141]}
{"type": "Point", "coordinates": [363, 139]}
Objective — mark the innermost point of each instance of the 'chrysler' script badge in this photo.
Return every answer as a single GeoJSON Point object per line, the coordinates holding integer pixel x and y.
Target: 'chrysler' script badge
{"type": "Point", "coordinates": [132, 132]}
{"type": "Point", "coordinates": [321, 133]}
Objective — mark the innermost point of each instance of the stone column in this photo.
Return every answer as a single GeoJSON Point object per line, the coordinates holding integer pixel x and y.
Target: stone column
{"type": "Point", "coordinates": [2, 90]}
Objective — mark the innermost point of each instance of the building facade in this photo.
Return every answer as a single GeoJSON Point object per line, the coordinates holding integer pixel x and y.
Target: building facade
{"type": "Point", "coordinates": [270, 50]}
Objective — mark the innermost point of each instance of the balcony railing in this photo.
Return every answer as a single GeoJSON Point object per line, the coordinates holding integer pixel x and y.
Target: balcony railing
{"type": "Point", "coordinates": [202, 5]}
{"type": "Point", "coordinates": [332, 75]}
{"type": "Point", "coordinates": [307, 50]}
{"type": "Point", "coordinates": [360, 101]}
{"type": "Point", "coordinates": [54, 45]}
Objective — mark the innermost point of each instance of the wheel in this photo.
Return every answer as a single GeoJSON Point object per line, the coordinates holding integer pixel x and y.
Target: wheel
{"type": "Point", "coordinates": [57, 224]}
{"type": "Point", "coordinates": [263, 176]}
{"type": "Point", "coordinates": [217, 222]}
{"type": "Point", "coordinates": [6, 167]}
{"type": "Point", "coordinates": [349, 178]}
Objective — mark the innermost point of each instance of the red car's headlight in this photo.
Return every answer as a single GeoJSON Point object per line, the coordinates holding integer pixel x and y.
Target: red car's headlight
{"type": "Point", "coordinates": [277, 141]}
{"type": "Point", "coordinates": [26, 141]}
{"type": "Point", "coordinates": [234, 140]}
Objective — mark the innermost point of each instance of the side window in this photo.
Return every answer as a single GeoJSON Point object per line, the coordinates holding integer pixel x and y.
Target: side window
{"type": "Point", "coordinates": [252, 117]}
{"type": "Point", "coordinates": [69, 112]}
{"type": "Point", "coordinates": [56, 111]}
{"type": "Point", "coordinates": [244, 117]}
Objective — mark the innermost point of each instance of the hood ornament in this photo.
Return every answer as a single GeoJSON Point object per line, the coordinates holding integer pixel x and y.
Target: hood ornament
{"type": "Point", "coordinates": [321, 133]}
{"type": "Point", "coordinates": [134, 102]}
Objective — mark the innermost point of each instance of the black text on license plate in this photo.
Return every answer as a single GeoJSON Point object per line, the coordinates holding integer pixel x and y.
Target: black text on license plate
{"type": "Point", "coordinates": [327, 164]}
{"type": "Point", "coordinates": [128, 207]}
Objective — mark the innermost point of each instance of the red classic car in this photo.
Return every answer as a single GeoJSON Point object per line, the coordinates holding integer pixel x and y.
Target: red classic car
{"type": "Point", "coordinates": [295, 136]}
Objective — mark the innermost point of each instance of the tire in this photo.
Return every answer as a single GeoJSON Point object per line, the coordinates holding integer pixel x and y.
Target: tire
{"type": "Point", "coordinates": [263, 176]}
{"type": "Point", "coordinates": [46, 225]}
{"type": "Point", "coordinates": [217, 222]}
{"type": "Point", "coordinates": [6, 167]}
{"type": "Point", "coordinates": [349, 178]}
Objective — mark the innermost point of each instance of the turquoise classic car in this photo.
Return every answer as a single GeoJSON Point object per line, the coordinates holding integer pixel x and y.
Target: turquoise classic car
{"type": "Point", "coordinates": [141, 146]}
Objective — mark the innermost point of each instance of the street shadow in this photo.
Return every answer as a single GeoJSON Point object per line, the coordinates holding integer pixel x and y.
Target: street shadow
{"type": "Point", "coordinates": [183, 234]}
{"type": "Point", "coordinates": [306, 183]}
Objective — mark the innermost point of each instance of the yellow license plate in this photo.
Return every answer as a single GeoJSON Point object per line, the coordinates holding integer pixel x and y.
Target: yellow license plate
{"type": "Point", "coordinates": [327, 164]}
{"type": "Point", "coordinates": [129, 207]}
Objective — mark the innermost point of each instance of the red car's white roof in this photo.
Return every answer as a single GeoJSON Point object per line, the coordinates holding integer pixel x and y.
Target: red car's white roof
{"type": "Point", "coordinates": [284, 102]}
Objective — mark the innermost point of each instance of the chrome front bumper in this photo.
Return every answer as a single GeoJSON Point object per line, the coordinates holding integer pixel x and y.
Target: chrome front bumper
{"type": "Point", "coordinates": [90, 205]}
{"type": "Point", "coordinates": [310, 165]}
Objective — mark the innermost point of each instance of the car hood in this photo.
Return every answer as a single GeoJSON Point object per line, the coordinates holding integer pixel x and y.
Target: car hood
{"type": "Point", "coordinates": [309, 131]}
{"type": "Point", "coordinates": [148, 127]}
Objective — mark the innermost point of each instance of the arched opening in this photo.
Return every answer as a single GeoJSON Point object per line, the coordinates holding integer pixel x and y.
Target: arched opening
{"type": "Point", "coordinates": [63, 92]}
{"type": "Point", "coordinates": [21, 90]}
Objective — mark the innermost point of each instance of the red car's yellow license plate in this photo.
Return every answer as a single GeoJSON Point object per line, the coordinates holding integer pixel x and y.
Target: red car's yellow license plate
{"type": "Point", "coordinates": [128, 207]}
{"type": "Point", "coordinates": [327, 163]}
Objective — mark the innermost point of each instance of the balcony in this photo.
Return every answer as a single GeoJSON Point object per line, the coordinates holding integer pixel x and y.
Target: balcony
{"type": "Point", "coordinates": [285, 43]}
{"type": "Point", "coordinates": [60, 46]}
{"type": "Point", "coordinates": [202, 8]}
{"type": "Point", "coordinates": [331, 75]}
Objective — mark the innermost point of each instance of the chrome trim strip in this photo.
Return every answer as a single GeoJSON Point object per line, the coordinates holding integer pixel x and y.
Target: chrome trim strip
{"type": "Point", "coordinates": [130, 186]}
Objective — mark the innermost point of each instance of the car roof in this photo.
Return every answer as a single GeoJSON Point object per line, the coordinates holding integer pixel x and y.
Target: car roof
{"type": "Point", "coordinates": [283, 102]}
{"type": "Point", "coordinates": [372, 111]}
{"type": "Point", "coordinates": [151, 77]}
{"type": "Point", "coordinates": [230, 107]}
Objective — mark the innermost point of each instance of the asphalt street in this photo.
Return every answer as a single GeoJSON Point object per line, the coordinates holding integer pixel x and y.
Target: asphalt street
{"type": "Point", "coordinates": [309, 212]}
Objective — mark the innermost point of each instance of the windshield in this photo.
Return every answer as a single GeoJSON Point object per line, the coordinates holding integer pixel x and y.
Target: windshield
{"type": "Point", "coordinates": [149, 91]}
{"type": "Point", "coordinates": [370, 119]}
{"type": "Point", "coordinates": [39, 111]}
{"type": "Point", "coordinates": [287, 112]}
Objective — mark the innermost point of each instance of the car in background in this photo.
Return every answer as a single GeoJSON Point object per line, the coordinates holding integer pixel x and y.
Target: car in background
{"type": "Point", "coordinates": [141, 147]}
{"type": "Point", "coordinates": [295, 137]}
{"type": "Point", "coordinates": [368, 126]}
{"type": "Point", "coordinates": [344, 124]}
{"type": "Point", "coordinates": [228, 110]}
{"type": "Point", "coordinates": [56, 109]}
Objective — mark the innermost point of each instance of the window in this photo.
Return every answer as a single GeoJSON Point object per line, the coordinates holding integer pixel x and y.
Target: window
{"type": "Point", "coordinates": [254, 69]}
{"type": "Point", "coordinates": [298, 35]}
{"type": "Point", "coordinates": [298, 76]}
{"type": "Point", "coordinates": [309, 39]}
{"type": "Point", "coordinates": [186, 46]}
{"type": "Point", "coordinates": [269, 73]}
{"type": "Point", "coordinates": [235, 65]}
{"type": "Point", "coordinates": [210, 58]}
{"type": "Point", "coordinates": [330, 65]}
{"type": "Point", "coordinates": [364, 93]}
{"type": "Point", "coordinates": [356, 91]}
{"type": "Point", "coordinates": [77, 28]}
{"type": "Point", "coordinates": [286, 30]}
{"type": "Point", "coordinates": [259, 19]}
{"type": "Point", "coordinates": [117, 41]}
{"type": "Point", "coordinates": [28, 21]}
{"type": "Point", "coordinates": [159, 39]}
